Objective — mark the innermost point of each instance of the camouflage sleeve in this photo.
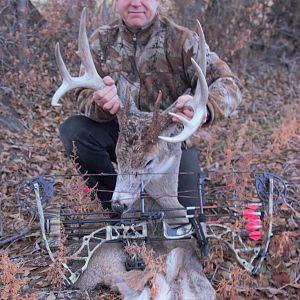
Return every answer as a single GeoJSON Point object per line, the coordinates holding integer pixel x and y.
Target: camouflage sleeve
{"type": "Point", "coordinates": [85, 102]}
{"type": "Point", "coordinates": [223, 86]}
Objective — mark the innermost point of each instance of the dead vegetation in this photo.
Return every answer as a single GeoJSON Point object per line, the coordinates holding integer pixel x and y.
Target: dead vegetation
{"type": "Point", "coordinates": [264, 51]}
{"type": "Point", "coordinates": [56, 272]}
{"type": "Point", "coordinates": [154, 265]}
{"type": "Point", "coordinates": [11, 279]}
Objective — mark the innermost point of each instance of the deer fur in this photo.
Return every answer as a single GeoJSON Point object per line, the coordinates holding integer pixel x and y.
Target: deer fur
{"type": "Point", "coordinates": [182, 277]}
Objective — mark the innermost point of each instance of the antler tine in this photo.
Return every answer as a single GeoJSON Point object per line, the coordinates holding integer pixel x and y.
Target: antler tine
{"type": "Point", "coordinates": [198, 104]}
{"type": "Point", "coordinates": [65, 75]}
{"type": "Point", "coordinates": [154, 125]}
{"type": "Point", "coordinates": [157, 104]}
{"type": "Point", "coordinates": [84, 51]}
{"type": "Point", "coordinates": [202, 48]}
{"type": "Point", "coordinates": [123, 111]}
{"type": "Point", "coordinates": [90, 79]}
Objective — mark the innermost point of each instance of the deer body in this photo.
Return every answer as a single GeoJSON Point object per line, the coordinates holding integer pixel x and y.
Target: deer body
{"type": "Point", "coordinates": [182, 276]}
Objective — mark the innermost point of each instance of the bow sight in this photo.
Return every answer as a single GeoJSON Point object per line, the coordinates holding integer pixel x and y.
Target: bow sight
{"type": "Point", "coordinates": [219, 213]}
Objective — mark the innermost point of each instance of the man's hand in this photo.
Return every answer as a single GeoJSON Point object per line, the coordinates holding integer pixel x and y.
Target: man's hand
{"type": "Point", "coordinates": [185, 110]}
{"type": "Point", "coordinates": [107, 98]}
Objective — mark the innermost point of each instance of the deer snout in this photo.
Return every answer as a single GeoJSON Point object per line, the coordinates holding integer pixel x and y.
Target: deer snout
{"type": "Point", "coordinates": [118, 207]}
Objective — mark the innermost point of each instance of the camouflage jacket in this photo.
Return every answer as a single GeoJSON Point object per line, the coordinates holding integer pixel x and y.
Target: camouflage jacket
{"type": "Point", "coordinates": [155, 58]}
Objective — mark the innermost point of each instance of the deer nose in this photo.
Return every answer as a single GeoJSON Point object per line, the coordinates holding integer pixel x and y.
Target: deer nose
{"type": "Point", "coordinates": [118, 207]}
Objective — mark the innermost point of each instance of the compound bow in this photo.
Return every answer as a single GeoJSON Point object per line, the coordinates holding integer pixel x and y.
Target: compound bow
{"type": "Point", "coordinates": [270, 190]}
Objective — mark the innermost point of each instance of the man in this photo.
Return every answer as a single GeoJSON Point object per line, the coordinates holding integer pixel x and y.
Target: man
{"type": "Point", "coordinates": [150, 53]}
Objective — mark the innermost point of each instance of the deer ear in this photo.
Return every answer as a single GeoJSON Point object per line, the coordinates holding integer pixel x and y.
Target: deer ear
{"type": "Point", "coordinates": [127, 102]}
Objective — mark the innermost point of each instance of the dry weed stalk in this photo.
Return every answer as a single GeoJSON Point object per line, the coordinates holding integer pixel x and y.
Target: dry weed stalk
{"type": "Point", "coordinates": [79, 194]}
{"type": "Point", "coordinates": [240, 281]}
{"type": "Point", "coordinates": [282, 244]}
{"type": "Point", "coordinates": [229, 150]}
{"type": "Point", "coordinates": [210, 140]}
{"type": "Point", "coordinates": [11, 279]}
{"type": "Point", "coordinates": [56, 272]}
{"type": "Point", "coordinates": [153, 265]}
{"type": "Point", "coordinates": [236, 145]}
{"type": "Point", "coordinates": [282, 136]}
{"type": "Point", "coordinates": [78, 198]}
{"type": "Point", "coordinates": [215, 258]}
{"type": "Point", "coordinates": [244, 169]}
{"type": "Point", "coordinates": [238, 157]}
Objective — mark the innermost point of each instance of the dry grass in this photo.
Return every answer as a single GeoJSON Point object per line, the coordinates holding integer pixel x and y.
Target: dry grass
{"type": "Point", "coordinates": [282, 136]}
{"type": "Point", "coordinates": [12, 279]}
{"type": "Point", "coordinates": [239, 282]}
{"type": "Point", "coordinates": [56, 272]}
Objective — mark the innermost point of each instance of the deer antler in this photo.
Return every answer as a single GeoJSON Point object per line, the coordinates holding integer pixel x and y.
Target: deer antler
{"type": "Point", "coordinates": [202, 47]}
{"type": "Point", "coordinates": [123, 111]}
{"type": "Point", "coordinates": [90, 79]}
{"type": "Point", "coordinates": [198, 103]}
{"type": "Point", "coordinates": [154, 125]}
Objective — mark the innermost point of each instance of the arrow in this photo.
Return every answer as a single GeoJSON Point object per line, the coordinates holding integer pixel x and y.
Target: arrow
{"type": "Point", "coordinates": [253, 225]}
{"type": "Point", "coordinates": [255, 235]}
{"type": "Point", "coordinates": [250, 214]}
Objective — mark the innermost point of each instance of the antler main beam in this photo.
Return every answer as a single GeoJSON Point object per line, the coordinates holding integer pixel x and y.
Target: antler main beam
{"type": "Point", "coordinates": [90, 79]}
{"type": "Point", "coordinates": [199, 101]}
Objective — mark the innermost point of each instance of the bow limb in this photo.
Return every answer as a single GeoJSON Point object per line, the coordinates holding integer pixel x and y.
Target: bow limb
{"type": "Point", "coordinates": [234, 243]}
{"type": "Point", "coordinates": [42, 225]}
{"type": "Point", "coordinates": [86, 250]}
{"type": "Point", "coordinates": [267, 239]}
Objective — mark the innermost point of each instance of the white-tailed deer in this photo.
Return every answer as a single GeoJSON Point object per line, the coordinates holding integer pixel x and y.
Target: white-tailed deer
{"type": "Point", "coordinates": [149, 144]}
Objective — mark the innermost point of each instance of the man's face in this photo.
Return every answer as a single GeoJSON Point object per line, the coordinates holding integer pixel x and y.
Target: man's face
{"type": "Point", "coordinates": [137, 13]}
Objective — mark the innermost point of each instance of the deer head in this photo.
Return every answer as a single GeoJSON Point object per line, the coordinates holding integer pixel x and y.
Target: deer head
{"type": "Point", "coordinates": [140, 152]}
{"type": "Point", "coordinates": [148, 143]}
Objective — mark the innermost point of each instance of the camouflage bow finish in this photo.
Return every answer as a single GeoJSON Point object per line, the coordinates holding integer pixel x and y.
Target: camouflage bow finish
{"type": "Point", "coordinates": [269, 188]}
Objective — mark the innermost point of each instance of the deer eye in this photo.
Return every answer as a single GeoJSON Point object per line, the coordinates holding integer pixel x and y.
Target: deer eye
{"type": "Point", "coordinates": [149, 163]}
